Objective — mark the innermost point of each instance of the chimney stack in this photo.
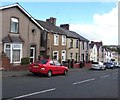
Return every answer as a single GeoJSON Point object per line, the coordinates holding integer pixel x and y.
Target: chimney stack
{"type": "Point", "coordinates": [51, 20]}
{"type": "Point", "coordinates": [66, 26]}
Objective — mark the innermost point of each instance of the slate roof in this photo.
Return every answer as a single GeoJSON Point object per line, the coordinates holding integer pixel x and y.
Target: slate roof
{"type": "Point", "coordinates": [73, 34]}
{"type": "Point", "coordinates": [50, 27]}
{"type": "Point", "coordinates": [58, 30]}
{"type": "Point", "coordinates": [80, 37]}
{"type": "Point", "coordinates": [12, 38]}
{"type": "Point", "coordinates": [98, 44]}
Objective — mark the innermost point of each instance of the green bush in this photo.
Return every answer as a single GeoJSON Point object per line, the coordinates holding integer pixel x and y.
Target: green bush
{"type": "Point", "coordinates": [25, 61]}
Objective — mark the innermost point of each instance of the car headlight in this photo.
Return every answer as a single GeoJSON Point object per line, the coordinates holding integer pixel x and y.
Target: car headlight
{"type": "Point", "coordinates": [42, 68]}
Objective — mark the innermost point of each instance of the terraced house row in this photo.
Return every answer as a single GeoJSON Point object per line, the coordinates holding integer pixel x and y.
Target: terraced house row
{"type": "Point", "coordinates": [24, 36]}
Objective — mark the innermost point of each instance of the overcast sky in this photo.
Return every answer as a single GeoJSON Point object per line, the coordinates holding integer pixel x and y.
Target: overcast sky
{"type": "Point", "coordinates": [96, 21]}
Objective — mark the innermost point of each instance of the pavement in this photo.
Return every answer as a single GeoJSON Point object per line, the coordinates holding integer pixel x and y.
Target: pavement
{"type": "Point", "coordinates": [26, 72]}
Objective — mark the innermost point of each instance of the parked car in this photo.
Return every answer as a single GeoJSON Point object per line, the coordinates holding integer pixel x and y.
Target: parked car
{"type": "Point", "coordinates": [48, 67]}
{"type": "Point", "coordinates": [98, 66]}
{"type": "Point", "coordinates": [117, 64]}
{"type": "Point", "coordinates": [110, 65]}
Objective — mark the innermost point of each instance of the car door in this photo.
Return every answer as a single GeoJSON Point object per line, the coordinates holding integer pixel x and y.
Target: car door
{"type": "Point", "coordinates": [52, 67]}
{"type": "Point", "coordinates": [58, 67]}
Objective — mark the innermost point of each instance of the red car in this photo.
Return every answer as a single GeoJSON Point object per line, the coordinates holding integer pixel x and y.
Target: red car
{"type": "Point", "coordinates": [48, 67]}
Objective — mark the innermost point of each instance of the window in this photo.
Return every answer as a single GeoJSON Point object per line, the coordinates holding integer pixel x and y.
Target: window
{"type": "Point", "coordinates": [14, 25]}
{"type": "Point", "coordinates": [71, 54]}
{"type": "Point", "coordinates": [71, 43]}
{"type": "Point", "coordinates": [14, 52]}
{"type": "Point", "coordinates": [44, 61]}
{"type": "Point", "coordinates": [76, 57]}
{"type": "Point", "coordinates": [87, 45]}
{"type": "Point", "coordinates": [16, 55]}
{"type": "Point", "coordinates": [51, 62]}
{"type": "Point", "coordinates": [63, 40]}
{"type": "Point", "coordinates": [56, 39]}
{"type": "Point", "coordinates": [77, 42]}
{"type": "Point", "coordinates": [8, 50]}
{"type": "Point", "coordinates": [63, 55]}
{"type": "Point", "coordinates": [82, 57]}
{"type": "Point", "coordinates": [55, 55]}
{"type": "Point", "coordinates": [82, 45]}
{"type": "Point", "coordinates": [57, 63]}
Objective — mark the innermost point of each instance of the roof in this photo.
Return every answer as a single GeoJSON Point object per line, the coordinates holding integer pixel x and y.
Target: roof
{"type": "Point", "coordinates": [91, 45]}
{"type": "Point", "coordinates": [12, 38]}
{"type": "Point", "coordinates": [74, 35]}
{"type": "Point", "coordinates": [98, 44]}
{"type": "Point", "coordinates": [79, 36]}
{"type": "Point", "coordinates": [50, 27]}
{"type": "Point", "coordinates": [23, 10]}
{"type": "Point", "coordinates": [55, 29]}
{"type": "Point", "coordinates": [68, 33]}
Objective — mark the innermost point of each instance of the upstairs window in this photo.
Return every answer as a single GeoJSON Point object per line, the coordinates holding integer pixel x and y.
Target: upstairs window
{"type": "Point", "coordinates": [63, 40]}
{"type": "Point", "coordinates": [77, 42]}
{"type": "Point", "coordinates": [82, 45]}
{"type": "Point", "coordinates": [56, 39]}
{"type": "Point", "coordinates": [14, 25]}
{"type": "Point", "coordinates": [71, 43]}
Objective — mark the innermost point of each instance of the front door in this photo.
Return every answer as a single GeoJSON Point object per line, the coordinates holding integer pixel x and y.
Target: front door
{"type": "Point", "coordinates": [32, 54]}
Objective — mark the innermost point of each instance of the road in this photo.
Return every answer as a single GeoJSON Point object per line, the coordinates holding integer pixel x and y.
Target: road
{"type": "Point", "coordinates": [77, 84]}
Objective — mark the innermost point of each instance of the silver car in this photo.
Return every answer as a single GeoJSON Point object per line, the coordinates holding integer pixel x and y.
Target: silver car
{"type": "Point", "coordinates": [98, 66]}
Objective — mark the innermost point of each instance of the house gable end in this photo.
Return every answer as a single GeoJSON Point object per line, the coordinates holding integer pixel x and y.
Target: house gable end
{"type": "Point", "coordinates": [23, 11]}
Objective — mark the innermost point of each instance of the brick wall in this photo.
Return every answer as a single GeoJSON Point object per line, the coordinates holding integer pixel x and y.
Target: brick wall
{"type": "Point", "coordinates": [7, 66]}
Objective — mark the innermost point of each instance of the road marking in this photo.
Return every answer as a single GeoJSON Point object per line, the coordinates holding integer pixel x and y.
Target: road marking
{"type": "Point", "coordinates": [105, 76]}
{"type": "Point", "coordinates": [84, 81]}
{"type": "Point", "coordinates": [115, 73]}
{"type": "Point", "coordinates": [26, 95]}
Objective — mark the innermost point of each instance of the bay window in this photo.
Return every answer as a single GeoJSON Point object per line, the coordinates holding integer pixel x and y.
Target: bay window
{"type": "Point", "coordinates": [14, 52]}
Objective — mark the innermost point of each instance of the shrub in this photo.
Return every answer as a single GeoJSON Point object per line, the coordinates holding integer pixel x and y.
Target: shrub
{"type": "Point", "coordinates": [25, 61]}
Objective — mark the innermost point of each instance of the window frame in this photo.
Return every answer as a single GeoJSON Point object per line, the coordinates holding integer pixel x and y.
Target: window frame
{"type": "Point", "coordinates": [63, 59]}
{"type": "Point", "coordinates": [12, 48]}
{"type": "Point", "coordinates": [71, 43]}
{"type": "Point", "coordinates": [56, 40]}
{"type": "Point", "coordinates": [57, 54]}
{"type": "Point", "coordinates": [77, 43]}
{"type": "Point", "coordinates": [83, 45]}
{"type": "Point", "coordinates": [17, 31]}
{"type": "Point", "coordinates": [63, 40]}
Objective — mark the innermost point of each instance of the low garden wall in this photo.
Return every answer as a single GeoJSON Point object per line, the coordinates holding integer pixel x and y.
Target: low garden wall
{"type": "Point", "coordinates": [6, 65]}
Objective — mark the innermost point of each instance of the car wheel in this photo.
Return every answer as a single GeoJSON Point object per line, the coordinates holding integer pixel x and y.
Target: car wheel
{"type": "Point", "coordinates": [49, 74]}
{"type": "Point", "coordinates": [65, 72]}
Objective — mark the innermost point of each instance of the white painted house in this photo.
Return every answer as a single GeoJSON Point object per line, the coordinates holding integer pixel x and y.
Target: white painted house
{"type": "Point", "coordinates": [93, 52]}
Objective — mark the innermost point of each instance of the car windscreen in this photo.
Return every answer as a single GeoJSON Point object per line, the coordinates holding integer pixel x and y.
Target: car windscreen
{"type": "Point", "coordinates": [110, 63]}
{"type": "Point", "coordinates": [95, 63]}
{"type": "Point", "coordinates": [44, 61]}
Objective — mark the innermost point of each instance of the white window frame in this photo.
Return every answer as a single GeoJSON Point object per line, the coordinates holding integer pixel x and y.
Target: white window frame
{"type": "Point", "coordinates": [57, 54]}
{"type": "Point", "coordinates": [56, 40]}
{"type": "Point", "coordinates": [64, 55]}
{"type": "Point", "coordinates": [11, 51]}
{"type": "Point", "coordinates": [14, 20]}
{"type": "Point", "coordinates": [63, 40]}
